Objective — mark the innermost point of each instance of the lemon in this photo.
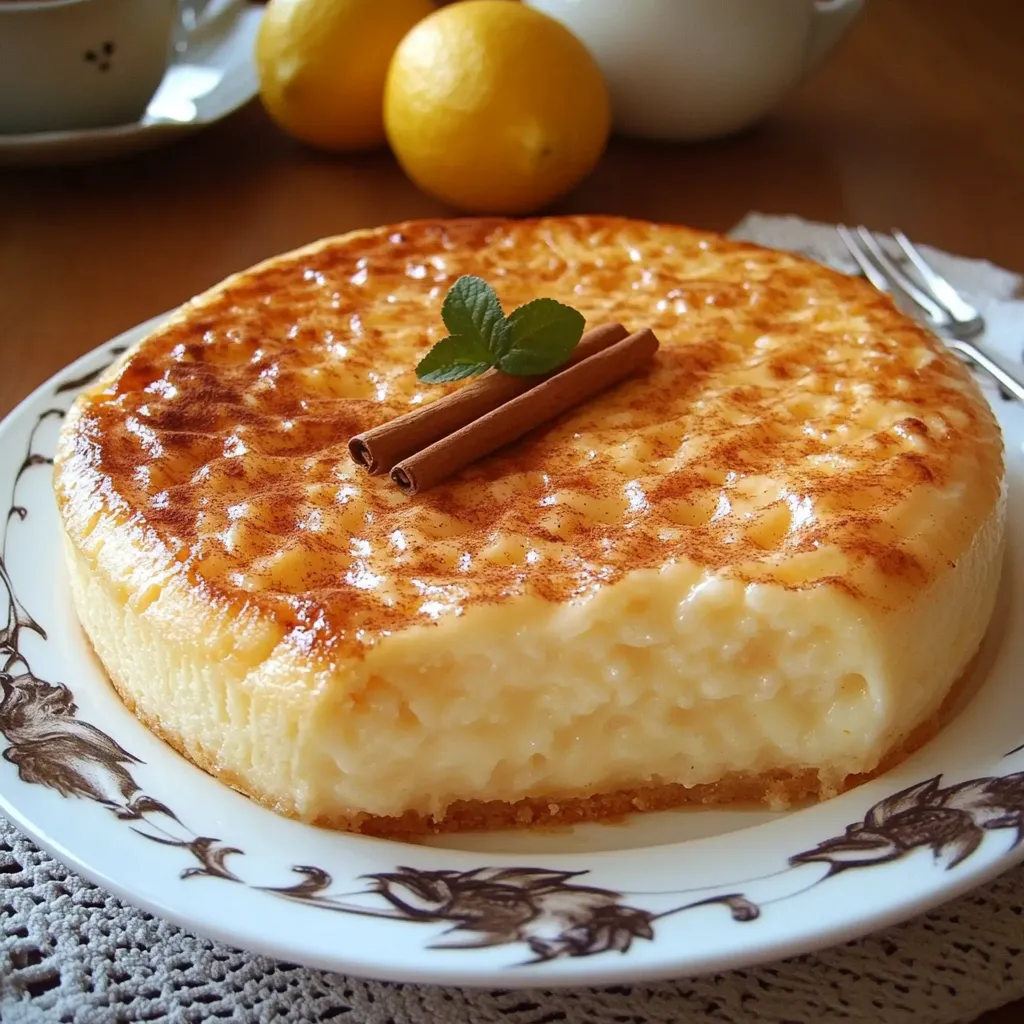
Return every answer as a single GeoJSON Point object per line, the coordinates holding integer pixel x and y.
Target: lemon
{"type": "Point", "coordinates": [494, 107]}
{"type": "Point", "coordinates": [322, 65]}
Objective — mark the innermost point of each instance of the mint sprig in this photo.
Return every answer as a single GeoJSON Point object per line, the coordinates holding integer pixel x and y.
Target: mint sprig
{"type": "Point", "coordinates": [534, 339]}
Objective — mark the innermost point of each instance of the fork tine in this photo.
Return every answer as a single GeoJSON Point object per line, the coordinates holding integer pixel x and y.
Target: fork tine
{"type": "Point", "coordinates": [898, 279]}
{"type": "Point", "coordinates": [940, 287]}
{"type": "Point", "coordinates": [871, 272]}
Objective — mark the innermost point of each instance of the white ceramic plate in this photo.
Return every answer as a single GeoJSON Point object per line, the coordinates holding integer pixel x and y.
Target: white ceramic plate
{"type": "Point", "coordinates": [213, 78]}
{"type": "Point", "coordinates": [660, 895]}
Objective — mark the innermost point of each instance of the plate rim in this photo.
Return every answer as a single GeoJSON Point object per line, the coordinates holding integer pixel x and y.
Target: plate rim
{"type": "Point", "coordinates": [557, 972]}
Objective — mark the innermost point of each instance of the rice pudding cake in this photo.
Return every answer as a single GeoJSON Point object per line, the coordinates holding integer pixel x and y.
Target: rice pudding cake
{"type": "Point", "coordinates": [754, 571]}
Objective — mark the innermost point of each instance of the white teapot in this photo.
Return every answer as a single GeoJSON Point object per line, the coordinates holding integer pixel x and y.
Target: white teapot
{"type": "Point", "coordinates": [695, 69]}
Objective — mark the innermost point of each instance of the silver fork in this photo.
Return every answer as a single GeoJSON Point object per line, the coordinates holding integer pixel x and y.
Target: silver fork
{"type": "Point", "coordinates": [941, 306]}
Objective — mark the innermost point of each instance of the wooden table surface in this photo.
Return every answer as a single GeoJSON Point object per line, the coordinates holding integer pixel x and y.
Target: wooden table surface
{"type": "Point", "coordinates": [914, 121]}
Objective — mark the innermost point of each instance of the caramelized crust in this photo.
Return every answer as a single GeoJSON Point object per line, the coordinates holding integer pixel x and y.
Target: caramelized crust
{"type": "Point", "coordinates": [791, 412]}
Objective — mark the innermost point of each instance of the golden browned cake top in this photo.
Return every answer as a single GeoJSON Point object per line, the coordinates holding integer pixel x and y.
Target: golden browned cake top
{"type": "Point", "coordinates": [794, 428]}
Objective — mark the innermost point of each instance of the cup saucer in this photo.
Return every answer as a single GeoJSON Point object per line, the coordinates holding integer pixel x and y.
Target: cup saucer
{"type": "Point", "coordinates": [212, 77]}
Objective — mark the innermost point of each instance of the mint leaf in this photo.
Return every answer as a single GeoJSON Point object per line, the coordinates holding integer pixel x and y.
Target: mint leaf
{"type": "Point", "coordinates": [537, 338]}
{"type": "Point", "coordinates": [453, 358]}
{"type": "Point", "coordinates": [471, 310]}
{"type": "Point", "coordinates": [541, 337]}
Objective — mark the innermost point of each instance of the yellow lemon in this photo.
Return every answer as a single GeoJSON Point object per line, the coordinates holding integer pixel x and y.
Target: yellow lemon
{"type": "Point", "coordinates": [322, 65]}
{"type": "Point", "coordinates": [495, 107]}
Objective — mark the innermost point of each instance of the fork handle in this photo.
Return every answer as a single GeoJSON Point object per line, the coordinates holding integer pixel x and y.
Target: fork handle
{"type": "Point", "coordinates": [993, 365]}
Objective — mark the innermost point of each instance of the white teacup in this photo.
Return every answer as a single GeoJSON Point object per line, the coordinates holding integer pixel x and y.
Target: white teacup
{"type": "Point", "coordinates": [693, 69]}
{"type": "Point", "coordinates": [67, 64]}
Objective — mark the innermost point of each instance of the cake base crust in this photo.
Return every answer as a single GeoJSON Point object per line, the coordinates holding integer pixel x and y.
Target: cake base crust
{"type": "Point", "coordinates": [776, 790]}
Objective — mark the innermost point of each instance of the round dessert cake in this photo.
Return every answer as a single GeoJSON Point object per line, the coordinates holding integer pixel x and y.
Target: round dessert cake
{"type": "Point", "coordinates": [754, 571]}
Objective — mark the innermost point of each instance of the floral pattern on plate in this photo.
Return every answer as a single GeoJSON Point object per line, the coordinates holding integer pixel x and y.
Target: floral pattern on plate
{"type": "Point", "coordinates": [549, 914]}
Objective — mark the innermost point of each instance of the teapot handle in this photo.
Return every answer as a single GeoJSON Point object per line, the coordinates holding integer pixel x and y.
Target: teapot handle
{"type": "Point", "coordinates": [830, 20]}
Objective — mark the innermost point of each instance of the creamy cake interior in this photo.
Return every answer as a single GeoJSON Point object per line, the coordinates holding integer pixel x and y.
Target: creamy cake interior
{"type": "Point", "coordinates": [754, 571]}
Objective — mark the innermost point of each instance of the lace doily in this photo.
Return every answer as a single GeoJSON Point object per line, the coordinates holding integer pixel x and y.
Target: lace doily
{"type": "Point", "coordinates": [73, 954]}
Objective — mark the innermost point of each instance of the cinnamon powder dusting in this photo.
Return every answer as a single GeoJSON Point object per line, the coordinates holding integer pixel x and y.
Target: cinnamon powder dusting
{"type": "Point", "coordinates": [794, 428]}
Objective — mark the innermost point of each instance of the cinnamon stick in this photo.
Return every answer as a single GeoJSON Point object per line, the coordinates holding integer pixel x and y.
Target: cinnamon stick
{"type": "Point", "coordinates": [521, 414]}
{"type": "Point", "coordinates": [378, 449]}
